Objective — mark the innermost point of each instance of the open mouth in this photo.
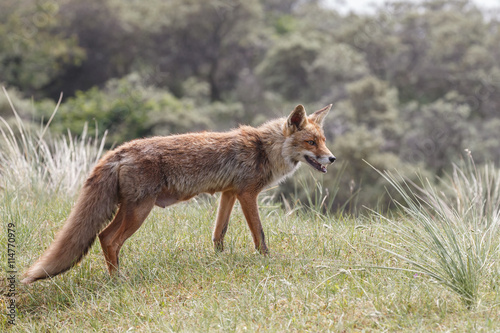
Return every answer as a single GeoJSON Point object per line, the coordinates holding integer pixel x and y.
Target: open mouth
{"type": "Point", "coordinates": [315, 164]}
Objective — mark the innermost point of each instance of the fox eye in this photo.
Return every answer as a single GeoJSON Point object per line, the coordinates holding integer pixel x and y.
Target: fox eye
{"type": "Point", "coordinates": [311, 142]}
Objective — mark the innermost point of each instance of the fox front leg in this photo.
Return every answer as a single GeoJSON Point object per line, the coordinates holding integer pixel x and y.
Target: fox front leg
{"type": "Point", "coordinates": [250, 209]}
{"type": "Point", "coordinates": [225, 207]}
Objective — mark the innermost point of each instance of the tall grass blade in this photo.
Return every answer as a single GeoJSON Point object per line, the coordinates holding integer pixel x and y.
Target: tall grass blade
{"type": "Point", "coordinates": [33, 162]}
{"type": "Point", "coordinates": [453, 233]}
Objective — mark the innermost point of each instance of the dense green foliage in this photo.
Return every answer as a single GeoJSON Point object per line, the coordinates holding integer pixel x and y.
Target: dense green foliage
{"type": "Point", "coordinates": [413, 84]}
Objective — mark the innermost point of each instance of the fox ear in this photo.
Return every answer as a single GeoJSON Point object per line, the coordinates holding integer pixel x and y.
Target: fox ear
{"type": "Point", "coordinates": [297, 118]}
{"type": "Point", "coordinates": [319, 116]}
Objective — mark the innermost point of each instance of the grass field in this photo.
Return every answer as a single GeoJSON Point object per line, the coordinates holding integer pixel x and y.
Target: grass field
{"type": "Point", "coordinates": [319, 277]}
{"type": "Point", "coordinates": [433, 265]}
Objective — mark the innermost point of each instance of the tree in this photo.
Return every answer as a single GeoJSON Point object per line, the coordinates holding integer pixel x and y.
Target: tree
{"type": "Point", "coordinates": [427, 49]}
{"type": "Point", "coordinates": [210, 40]}
{"type": "Point", "coordinates": [109, 47]}
{"type": "Point", "coordinates": [438, 133]}
{"type": "Point", "coordinates": [285, 67]}
{"type": "Point", "coordinates": [32, 53]}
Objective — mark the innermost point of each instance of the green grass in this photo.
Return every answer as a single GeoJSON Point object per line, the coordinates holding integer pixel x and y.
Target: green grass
{"type": "Point", "coordinates": [318, 278]}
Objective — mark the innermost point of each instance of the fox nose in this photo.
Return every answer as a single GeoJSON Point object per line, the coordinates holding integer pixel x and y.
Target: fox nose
{"type": "Point", "coordinates": [332, 159]}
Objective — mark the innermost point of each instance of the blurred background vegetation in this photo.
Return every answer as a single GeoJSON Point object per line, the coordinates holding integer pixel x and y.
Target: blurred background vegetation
{"type": "Point", "coordinates": [413, 84]}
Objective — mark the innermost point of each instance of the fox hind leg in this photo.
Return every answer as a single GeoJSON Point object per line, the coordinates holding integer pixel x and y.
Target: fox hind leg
{"type": "Point", "coordinates": [225, 207]}
{"type": "Point", "coordinates": [105, 238]}
{"type": "Point", "coordinates": [129, 218]}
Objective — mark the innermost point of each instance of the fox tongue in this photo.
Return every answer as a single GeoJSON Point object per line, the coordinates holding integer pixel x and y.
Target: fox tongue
{"type": "Point", "coordinates": [315, 164]}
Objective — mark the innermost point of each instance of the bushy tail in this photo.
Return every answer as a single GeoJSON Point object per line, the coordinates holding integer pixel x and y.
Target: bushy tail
{"type": "Point", "coordinates": [94, 208]}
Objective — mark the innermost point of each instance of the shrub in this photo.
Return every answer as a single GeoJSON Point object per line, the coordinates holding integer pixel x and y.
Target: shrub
{"type": "Point", "coordinates": [453, 236]}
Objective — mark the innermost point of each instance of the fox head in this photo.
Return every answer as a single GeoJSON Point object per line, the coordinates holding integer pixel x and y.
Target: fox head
{"type": "Point", "coordinates": [305, 140]}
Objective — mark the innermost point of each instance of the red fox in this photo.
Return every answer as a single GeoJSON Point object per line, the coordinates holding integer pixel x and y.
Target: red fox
{"type": "Point", "coordinates": [131, 179]}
